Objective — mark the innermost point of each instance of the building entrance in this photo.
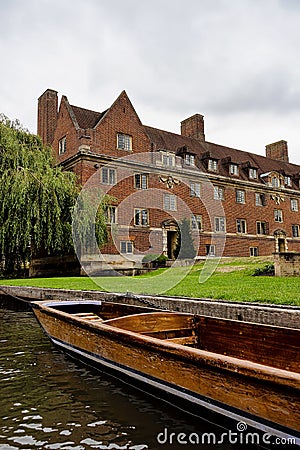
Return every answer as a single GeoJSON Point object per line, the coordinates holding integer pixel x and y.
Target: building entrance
{"type": "Point", "coordinates": [170, 235]}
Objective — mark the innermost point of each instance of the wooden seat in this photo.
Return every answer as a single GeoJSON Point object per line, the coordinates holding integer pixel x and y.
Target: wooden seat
{"type": "Point", "coordinates": [89, 316]}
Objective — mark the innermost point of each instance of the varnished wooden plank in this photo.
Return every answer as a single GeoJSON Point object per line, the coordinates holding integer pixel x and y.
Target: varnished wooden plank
{"type": "Point", "coordinates": [265, 344]}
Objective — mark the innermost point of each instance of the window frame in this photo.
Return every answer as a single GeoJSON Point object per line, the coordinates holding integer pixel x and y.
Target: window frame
{"type": "Point", "coordinates": [253, 250]}
{"type": "Point", "coordinates": [261, 225]}
{"type": "Point", "coordinates": [210, 250]}
{"type": "Point", "coordinates": [288, 180]}
{"type": "Point", "coordinates": [195, 189]}
{"type": "Point", "coordinates": [111, 176]}
{"type": "Point", "coordinates": [242, 224]}
{"type": "Point", "coordinates": [127, 143]}
{"type": "Point", "coordinates": [169, 202]}
{"type": "Point", "coordinates": [140, 214]}
{"type": "Point", "coordinates": [262, 197]}
{"type": "Point", "coordinates": [212, 165]}
{"type": "Point", "coordinates": [240, 196]}
{"type": "Point", "coordinates": [220, 224]}
{"type": "Point", "coordinates": [233, 169]}
{"type": "Point", "coordinates": [189, 159]}
{"type": "Point", "coordinates": [219, 193]}
{"type": "Point", "coordinates": [196, 222]}
{"type": "Point", "coordinates": [295, 226]}
{"type": "Point", "coordinates": [62, 145]}
{"type": "Point", "coordinates": [278, 215]}
{"type": "Point", "coordinates": [295, 201]}
{"type": "Point", "coordinates": [128, 245]}
{"type": "Point", "coordinates": [109, 216]}
{"type": "Point", "coordinates": [252, 173]}
{"type": "Point", "coordinates": [142, 177]}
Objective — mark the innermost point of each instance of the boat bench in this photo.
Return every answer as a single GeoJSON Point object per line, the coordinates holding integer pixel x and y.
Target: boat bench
{"type": "Point", "coordinates": [89, 316]}
{"type": "Point", "coordinates": [183, 336]}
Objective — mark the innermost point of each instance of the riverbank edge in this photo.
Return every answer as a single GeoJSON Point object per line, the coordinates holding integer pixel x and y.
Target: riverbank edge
{"type": "Point", "coordinates": [269, 314]}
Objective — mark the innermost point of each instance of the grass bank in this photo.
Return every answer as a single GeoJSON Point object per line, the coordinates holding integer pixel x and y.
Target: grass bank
{"type": "Point", "coordinates": [232, 280]}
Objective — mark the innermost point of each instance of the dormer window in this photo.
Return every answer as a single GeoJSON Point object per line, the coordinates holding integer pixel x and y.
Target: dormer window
{"type": "Point", "coordinates": [275, 182]}
{"type": "Point", "coordinates": [252, 173]}
{"type": "Point", "coordinates": [233, 169]}
{"type": "Point", "coordinates": [288, 181]}
{"type": "Point", "coordinates": [212, 165]}
{"type": "Point", "coordinates": [168, 158]}
{"type": "Point", "coordinates": [189, 159]}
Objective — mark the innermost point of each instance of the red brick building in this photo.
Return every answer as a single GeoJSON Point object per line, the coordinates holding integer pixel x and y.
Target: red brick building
{"type": "Point", "coordinates": [238, 203]}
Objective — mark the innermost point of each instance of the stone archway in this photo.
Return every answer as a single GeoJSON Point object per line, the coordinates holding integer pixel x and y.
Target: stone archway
{"type": "Point", "coordinates": [280, 241]}
{"type": "Point", "coordinates": [170, 235]}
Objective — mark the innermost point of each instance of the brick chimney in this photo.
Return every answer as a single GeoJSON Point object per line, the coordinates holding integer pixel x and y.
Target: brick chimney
{"type": "Point", "coordinates": [193, 127]}
{"type": "Point", "coordinates": [47, 116]}
{"type": "Point", "coordinates": [278, 150]}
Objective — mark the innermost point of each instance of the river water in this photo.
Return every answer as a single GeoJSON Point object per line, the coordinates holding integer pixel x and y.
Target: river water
{"type": "Point", "coordinates": [48, 401]}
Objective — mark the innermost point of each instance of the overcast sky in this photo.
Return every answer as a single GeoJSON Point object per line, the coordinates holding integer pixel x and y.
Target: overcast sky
{"type": "Point", "coordinates": [237, 62]}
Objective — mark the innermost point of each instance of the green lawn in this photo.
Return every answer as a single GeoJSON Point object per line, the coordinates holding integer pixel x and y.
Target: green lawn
{"type": "Point", "coordinates": [232, 280]}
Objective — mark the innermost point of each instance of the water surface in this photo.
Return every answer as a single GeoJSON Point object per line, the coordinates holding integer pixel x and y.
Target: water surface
{"type": "Point", "coordinates": [48, 401]}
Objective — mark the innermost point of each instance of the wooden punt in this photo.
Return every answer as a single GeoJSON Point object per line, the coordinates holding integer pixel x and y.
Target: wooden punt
{"type": "Point", "coordinates": [232, 370]}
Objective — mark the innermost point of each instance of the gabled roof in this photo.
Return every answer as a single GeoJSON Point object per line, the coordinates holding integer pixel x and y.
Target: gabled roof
{"type": "Point", "coordinates": [86, 118]}
{"type": "Point", "coordinates": [172, 141]}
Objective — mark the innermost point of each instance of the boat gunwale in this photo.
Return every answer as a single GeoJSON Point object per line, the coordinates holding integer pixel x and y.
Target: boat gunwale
{"type": "Point", "coordinates": [199, 357]}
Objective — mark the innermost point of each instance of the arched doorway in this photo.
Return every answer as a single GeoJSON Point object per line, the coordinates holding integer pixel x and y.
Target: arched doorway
{"type": "Point", "coordinates": [170, 235]}
{"type": "Point", "coordinates": [280, 241]}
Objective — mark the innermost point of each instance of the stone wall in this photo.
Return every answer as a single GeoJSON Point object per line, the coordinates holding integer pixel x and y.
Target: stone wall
{"type": "Point", "coordinates": [279, 315]}
{"type": "Point", "coordinates": [287, 264]}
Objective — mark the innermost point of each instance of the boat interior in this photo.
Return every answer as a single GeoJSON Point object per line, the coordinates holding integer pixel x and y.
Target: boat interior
{"type": "Point", "coordinates": [264, 344]}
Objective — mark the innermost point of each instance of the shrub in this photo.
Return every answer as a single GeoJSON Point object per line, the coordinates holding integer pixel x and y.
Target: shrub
{"type": "Point", "coordinates": [267, 270]}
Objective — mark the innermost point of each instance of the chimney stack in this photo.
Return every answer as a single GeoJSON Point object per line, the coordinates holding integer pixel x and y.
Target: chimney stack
{"type": "Point", "coordinates": [47, 116]}
{"type": "Point", "coordinates": [193, 127]}
{"type": "Point", "coordinates": [278, 150]}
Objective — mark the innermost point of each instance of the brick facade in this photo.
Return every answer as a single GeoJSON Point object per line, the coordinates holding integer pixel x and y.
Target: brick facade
{"type": "Point", "coordinates": [246, 204]}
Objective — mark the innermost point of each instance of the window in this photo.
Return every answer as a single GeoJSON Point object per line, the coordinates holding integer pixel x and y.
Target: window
{"type": "Point", "coordinates": [62, 145]}
{"type": "Point", "coordinates": [252, 173]}
{"type": "Point", "coordinates": [278, 215]}
{"type": "Point", "coordinates": [241, 226]}
{"type": "Point", "coordinates": [261, 227]}
{"type": "Point", "coordinates": [295, 230]}
{"type": "Point", "coordinates": [111, 214]}
{"type": "Point", "coordinates": [126, 247]}
{"type": "Point", "coordinates": [141, 217]}
{"type": "Point", "coordinates": [233, 169]}
{"type": "Point", "coordinates": [195, 189]}
{"type": "Point", "coordinates": [260, 199]}
{"type": "Point", "coordinates": [253, 251]}
{"type": "Point", "coordinates": [275, 182]}
{"type": "Point", "coordinates": [141, 180]}
{"type": "Point", "coordinates": [240, 196]}
{"type": "Point", "coordinates": [288, 180]}
{"type": "Point", "coordinates": [220, 224]}
{"type": "Point", "coordinates": [124, 141]}
{"type": "Point", "coordinates": [170, 202]}
{"type": "Point", "coordinates": [189, 159]}
{"type": "Point", "coordinates": [210, 250]}
{"type": "Point", "coordinates": [168, 159]}
{"type": "Point", "coordinates": [108, 176]}
{"type": "Point", "coordinates": [218, 193]}
{"type": "Point", "coordinates": [294, 204]}
{"type": "Point", "coordinates": [212, 165]}
{"type": "Point", "coordinates": [196, 223]}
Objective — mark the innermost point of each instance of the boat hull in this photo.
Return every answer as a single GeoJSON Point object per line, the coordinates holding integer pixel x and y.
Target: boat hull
{"type": "Point", "coordinates": [198, 380]}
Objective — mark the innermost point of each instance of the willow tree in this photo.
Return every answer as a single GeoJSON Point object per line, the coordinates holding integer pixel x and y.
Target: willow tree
{"type": "Point", "coordinates": [36, 199]}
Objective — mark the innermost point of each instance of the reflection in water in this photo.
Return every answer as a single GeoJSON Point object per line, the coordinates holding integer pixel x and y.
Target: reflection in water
{"type": "Point", "coordinates": [50, 402]}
